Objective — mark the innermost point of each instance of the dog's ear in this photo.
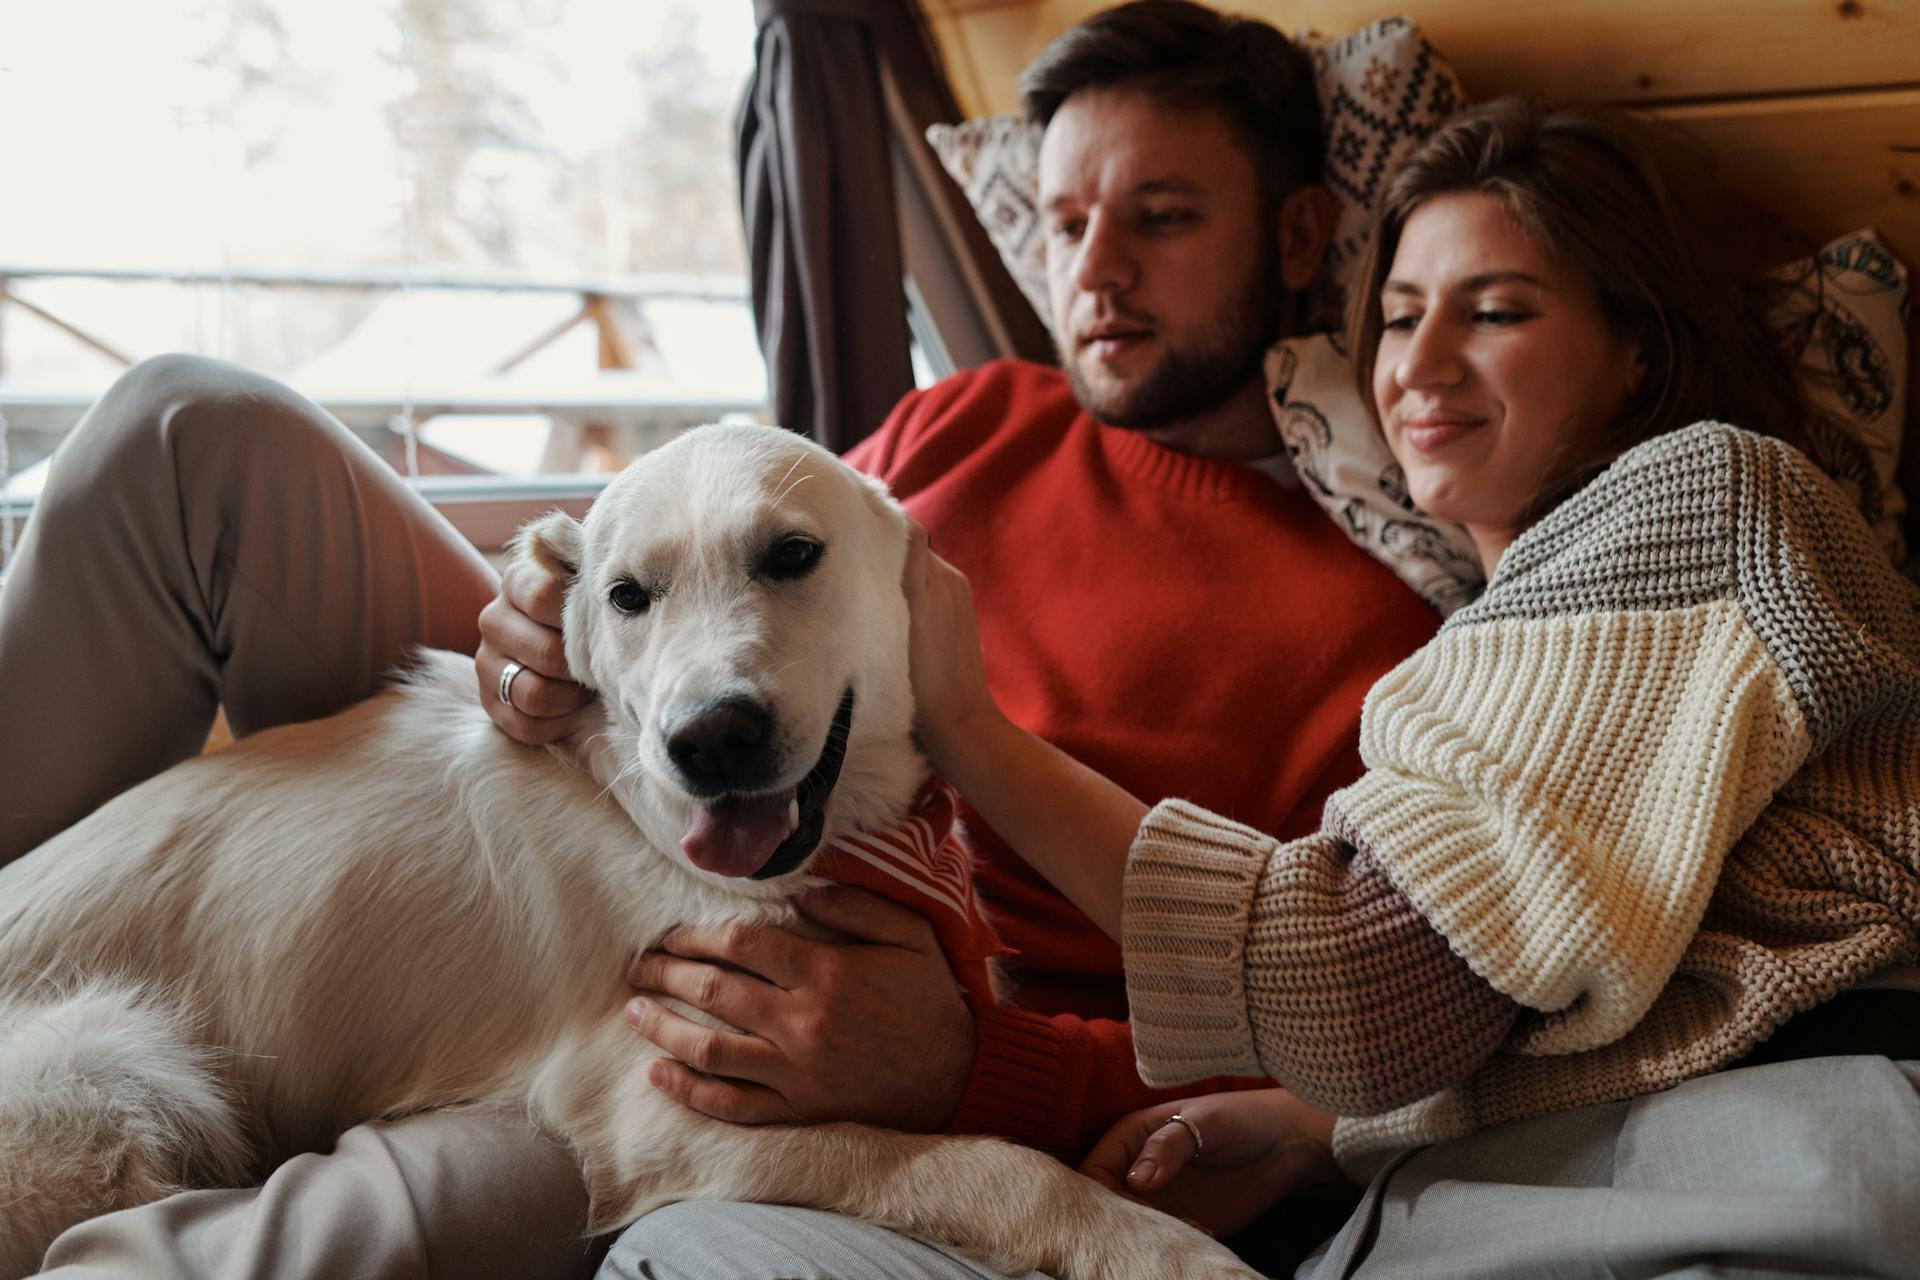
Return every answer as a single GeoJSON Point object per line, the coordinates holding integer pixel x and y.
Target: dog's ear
{"type": "Point", "coordinates": [553, 543]}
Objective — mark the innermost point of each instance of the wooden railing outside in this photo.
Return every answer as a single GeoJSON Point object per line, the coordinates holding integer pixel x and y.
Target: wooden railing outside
{"type": "Point", "coordinates": [594, 428]}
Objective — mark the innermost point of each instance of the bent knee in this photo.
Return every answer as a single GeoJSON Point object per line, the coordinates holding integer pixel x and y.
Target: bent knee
{"type": "Point", "coordinates": [175, 404]}
{"type": "Point", "coordinates": [177, 373]}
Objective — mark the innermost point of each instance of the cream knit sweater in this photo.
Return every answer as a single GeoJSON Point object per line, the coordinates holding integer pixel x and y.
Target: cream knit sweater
{"type": "Point", "coordinates": [1658, 790]}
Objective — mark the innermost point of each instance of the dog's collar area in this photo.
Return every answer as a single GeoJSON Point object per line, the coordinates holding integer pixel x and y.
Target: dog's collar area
{"type": "Point", "coordinates": [812, 797]}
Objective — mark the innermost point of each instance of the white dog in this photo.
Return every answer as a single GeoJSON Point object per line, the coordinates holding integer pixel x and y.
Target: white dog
{"type": "Point", "coordinates": [398, 908]}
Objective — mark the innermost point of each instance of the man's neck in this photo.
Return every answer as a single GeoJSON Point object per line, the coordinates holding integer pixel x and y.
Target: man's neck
{"type": "Point", "coordinates": [1240, 430]}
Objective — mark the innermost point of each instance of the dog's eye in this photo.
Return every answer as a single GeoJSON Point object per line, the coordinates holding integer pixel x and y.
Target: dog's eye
{"type": "Point", "coordinates": [792, 557]}
{"type": "Point", "coordinates": [629, 597]}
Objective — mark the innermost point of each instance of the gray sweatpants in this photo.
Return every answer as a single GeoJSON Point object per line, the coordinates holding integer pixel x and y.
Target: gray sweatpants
{"type": "Point", "coordinates": [207, 537]}
{"type": "Point", "coordinates": [1804, 1168]}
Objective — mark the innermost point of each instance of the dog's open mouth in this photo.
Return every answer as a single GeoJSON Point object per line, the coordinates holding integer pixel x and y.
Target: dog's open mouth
{"type": "Point", "coordinates": [769, 834]}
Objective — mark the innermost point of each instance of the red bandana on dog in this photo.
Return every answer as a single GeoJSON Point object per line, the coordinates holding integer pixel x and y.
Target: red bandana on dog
{"type": "Point", "coordinates": [923, 863]}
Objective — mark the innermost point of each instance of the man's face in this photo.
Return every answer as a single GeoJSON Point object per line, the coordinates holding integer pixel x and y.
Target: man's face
{"type": "Point", "coordinates": [1162, 266]}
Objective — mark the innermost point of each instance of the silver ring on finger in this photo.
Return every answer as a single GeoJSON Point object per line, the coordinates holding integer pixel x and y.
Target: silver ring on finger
{"type": "Point", "coordinates": [1199, 1143]}
{"type": "Point", "coordinates": [508, 674]}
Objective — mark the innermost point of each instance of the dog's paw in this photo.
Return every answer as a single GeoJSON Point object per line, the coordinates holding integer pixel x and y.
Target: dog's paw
{"type": "Point", "coordinates": [1139, 1243]}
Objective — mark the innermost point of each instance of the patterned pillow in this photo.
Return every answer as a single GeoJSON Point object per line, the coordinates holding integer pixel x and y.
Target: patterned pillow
{"type": "Point", "coordinates": [1383, 90]}
{"type": "Point", "coordinates": [1344, 464]}
{"type": "Point", "coordinates": [1849, 307]}
{"type": "Point", "coordinates": [996, 161]}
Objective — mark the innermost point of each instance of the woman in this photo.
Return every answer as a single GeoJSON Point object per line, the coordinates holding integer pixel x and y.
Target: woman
{"type": "Point", "coordinates": [1627, 818]}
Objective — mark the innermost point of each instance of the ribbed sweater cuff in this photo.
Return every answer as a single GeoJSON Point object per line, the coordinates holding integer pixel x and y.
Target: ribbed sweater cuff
{"type": "Point", "coordinates": [1189, 887]}
{"type": "Point", "coordinates": [1015, 1087]}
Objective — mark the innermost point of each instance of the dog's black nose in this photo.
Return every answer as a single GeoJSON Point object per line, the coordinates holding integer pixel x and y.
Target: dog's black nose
{"type": "Point", "coordinates": [725, 746]}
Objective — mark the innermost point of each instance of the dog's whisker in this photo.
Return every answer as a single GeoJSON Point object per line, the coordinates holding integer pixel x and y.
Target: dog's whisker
{"type": "Point", "coordinates": [798, 481]}
{"type": "Point", "coordinates": [630, 770]}
{"type": "Point", "coordinates": [784, 477]}
{"type": "Point", "coordinates": [775, 674]}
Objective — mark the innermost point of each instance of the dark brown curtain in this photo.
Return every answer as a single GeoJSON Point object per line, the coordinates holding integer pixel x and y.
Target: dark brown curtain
{"type": "Point", "coordinates": [821, 201]}
{"type": "Point", "coordinates": [816, 192]}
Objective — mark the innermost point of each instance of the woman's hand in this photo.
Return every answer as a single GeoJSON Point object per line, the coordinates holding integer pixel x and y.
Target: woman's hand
{"type": "Point", "coordinates": [1069, 823]}
{"type": "Point", "coordinates": [950, 694]}
{"type": "Point", "coordinates": [522, 624]}
{"type": "Point", "coordinates": [1259, 1146]}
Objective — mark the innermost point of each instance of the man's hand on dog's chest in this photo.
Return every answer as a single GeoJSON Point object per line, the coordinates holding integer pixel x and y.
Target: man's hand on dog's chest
{"type": "Point", "coordinates": [874, 1030]}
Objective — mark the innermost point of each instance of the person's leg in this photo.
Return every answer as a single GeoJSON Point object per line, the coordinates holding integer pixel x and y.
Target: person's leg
{"type": "Point", "coordinates": [1801, 1168]}
{"type": "Point", "coordinates": [469, 1194]}
{"type": "Point", "coordinates": [206, 537]}
{"type": "Point", "coordinates": [715, 1240]}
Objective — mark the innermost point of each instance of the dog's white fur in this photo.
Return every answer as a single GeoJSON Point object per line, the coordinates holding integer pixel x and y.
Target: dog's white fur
{"type": "Point", "coordinates": [398, 908]}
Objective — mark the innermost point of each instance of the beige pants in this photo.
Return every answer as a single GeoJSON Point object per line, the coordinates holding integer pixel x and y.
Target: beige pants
{"type": "Point", "coordinates": [208, 538]}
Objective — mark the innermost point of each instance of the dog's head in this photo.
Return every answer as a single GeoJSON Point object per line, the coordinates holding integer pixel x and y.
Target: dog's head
{"type": "Point", "coordinates": [734, 597]}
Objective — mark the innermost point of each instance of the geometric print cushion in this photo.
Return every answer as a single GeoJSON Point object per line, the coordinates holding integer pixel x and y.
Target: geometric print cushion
{"type": "Point", "coordinates": [996, 161]}
{"type": "Point", "coordinates": [1383, 90]}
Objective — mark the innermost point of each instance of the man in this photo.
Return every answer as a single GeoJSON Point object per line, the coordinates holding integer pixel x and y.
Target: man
{"type": "Point", "coordinates": [1156, 595]}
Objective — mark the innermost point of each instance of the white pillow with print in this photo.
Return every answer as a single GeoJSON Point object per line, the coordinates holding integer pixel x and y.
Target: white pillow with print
{"type": "Point", "coordinates": [1345, 466]}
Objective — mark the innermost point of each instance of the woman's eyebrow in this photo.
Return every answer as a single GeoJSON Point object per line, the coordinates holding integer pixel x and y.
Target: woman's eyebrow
{"type": "Point", "coordinates": [1471, 284]}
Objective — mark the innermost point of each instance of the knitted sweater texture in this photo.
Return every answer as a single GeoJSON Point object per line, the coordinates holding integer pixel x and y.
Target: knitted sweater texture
{"type": "Point", "coordinates": [1659, 786]}
{"type": "Point", "coordinates": [1186, 626]}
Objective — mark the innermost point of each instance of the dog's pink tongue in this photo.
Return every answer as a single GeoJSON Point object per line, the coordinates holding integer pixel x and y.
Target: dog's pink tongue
{"type": "Point", "coordinates": [736, 836]}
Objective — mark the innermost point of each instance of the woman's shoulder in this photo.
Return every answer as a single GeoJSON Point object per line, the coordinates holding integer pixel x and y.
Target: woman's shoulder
{"type": "Point", "coordinates": [1723, 468]}
{"type": "Point", "coordinates": [1709, 448]}
{"type": "Point", "coordinates": [1710, 515]}
{"type": "Point", "coordinates": [1743, 489]}
{"type": "Point", "coordinates": [1689, 516]}
{"type": "Point", "coordinates": [1652, 531]}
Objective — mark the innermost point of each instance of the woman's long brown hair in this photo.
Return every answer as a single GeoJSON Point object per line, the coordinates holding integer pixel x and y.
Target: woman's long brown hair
{"type": "Point", "coordinates": [1630, 206]}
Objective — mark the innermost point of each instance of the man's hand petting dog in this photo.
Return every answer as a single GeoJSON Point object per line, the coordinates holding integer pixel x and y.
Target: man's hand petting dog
{"type": "Point", "coordinates": [873, 1029]}
{"type": "Point", "coordinates": [522, 624]}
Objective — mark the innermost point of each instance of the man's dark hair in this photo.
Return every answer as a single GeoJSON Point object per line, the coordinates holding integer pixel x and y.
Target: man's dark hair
{"type": "Point", "coordinates": [1191, 56]}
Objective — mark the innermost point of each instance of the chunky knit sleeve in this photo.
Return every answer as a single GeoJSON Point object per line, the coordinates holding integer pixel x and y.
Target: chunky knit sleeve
{"type": "Point", "coordinates": [1297, 960]}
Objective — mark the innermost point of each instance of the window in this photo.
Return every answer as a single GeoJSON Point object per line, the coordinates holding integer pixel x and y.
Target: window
{"type": "Point", "coordinates": [499, 239]}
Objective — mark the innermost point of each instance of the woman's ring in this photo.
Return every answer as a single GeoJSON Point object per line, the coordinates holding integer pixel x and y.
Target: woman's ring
{"type": "Point", "coordinates": [507, 674]}
{"type": "Point", "coordinates": [1199, 1143]}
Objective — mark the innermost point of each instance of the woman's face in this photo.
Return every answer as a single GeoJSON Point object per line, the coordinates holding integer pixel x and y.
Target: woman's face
{"type": "Point", "coordinates": [1496, 371]}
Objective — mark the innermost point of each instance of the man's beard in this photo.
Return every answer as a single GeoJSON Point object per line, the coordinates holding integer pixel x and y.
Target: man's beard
{"type": "Point", "coordinates": [1198, 377]}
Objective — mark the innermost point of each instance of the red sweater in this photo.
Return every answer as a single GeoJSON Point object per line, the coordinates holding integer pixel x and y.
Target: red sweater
{"type": "Point", "coordinates": [1186, 627]}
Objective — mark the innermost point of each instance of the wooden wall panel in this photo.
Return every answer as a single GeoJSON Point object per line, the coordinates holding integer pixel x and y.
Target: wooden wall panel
{"type": "Point", "coordinates": [1826, 164]}
{"type": "Point", "coordinates": [1626, 50]}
